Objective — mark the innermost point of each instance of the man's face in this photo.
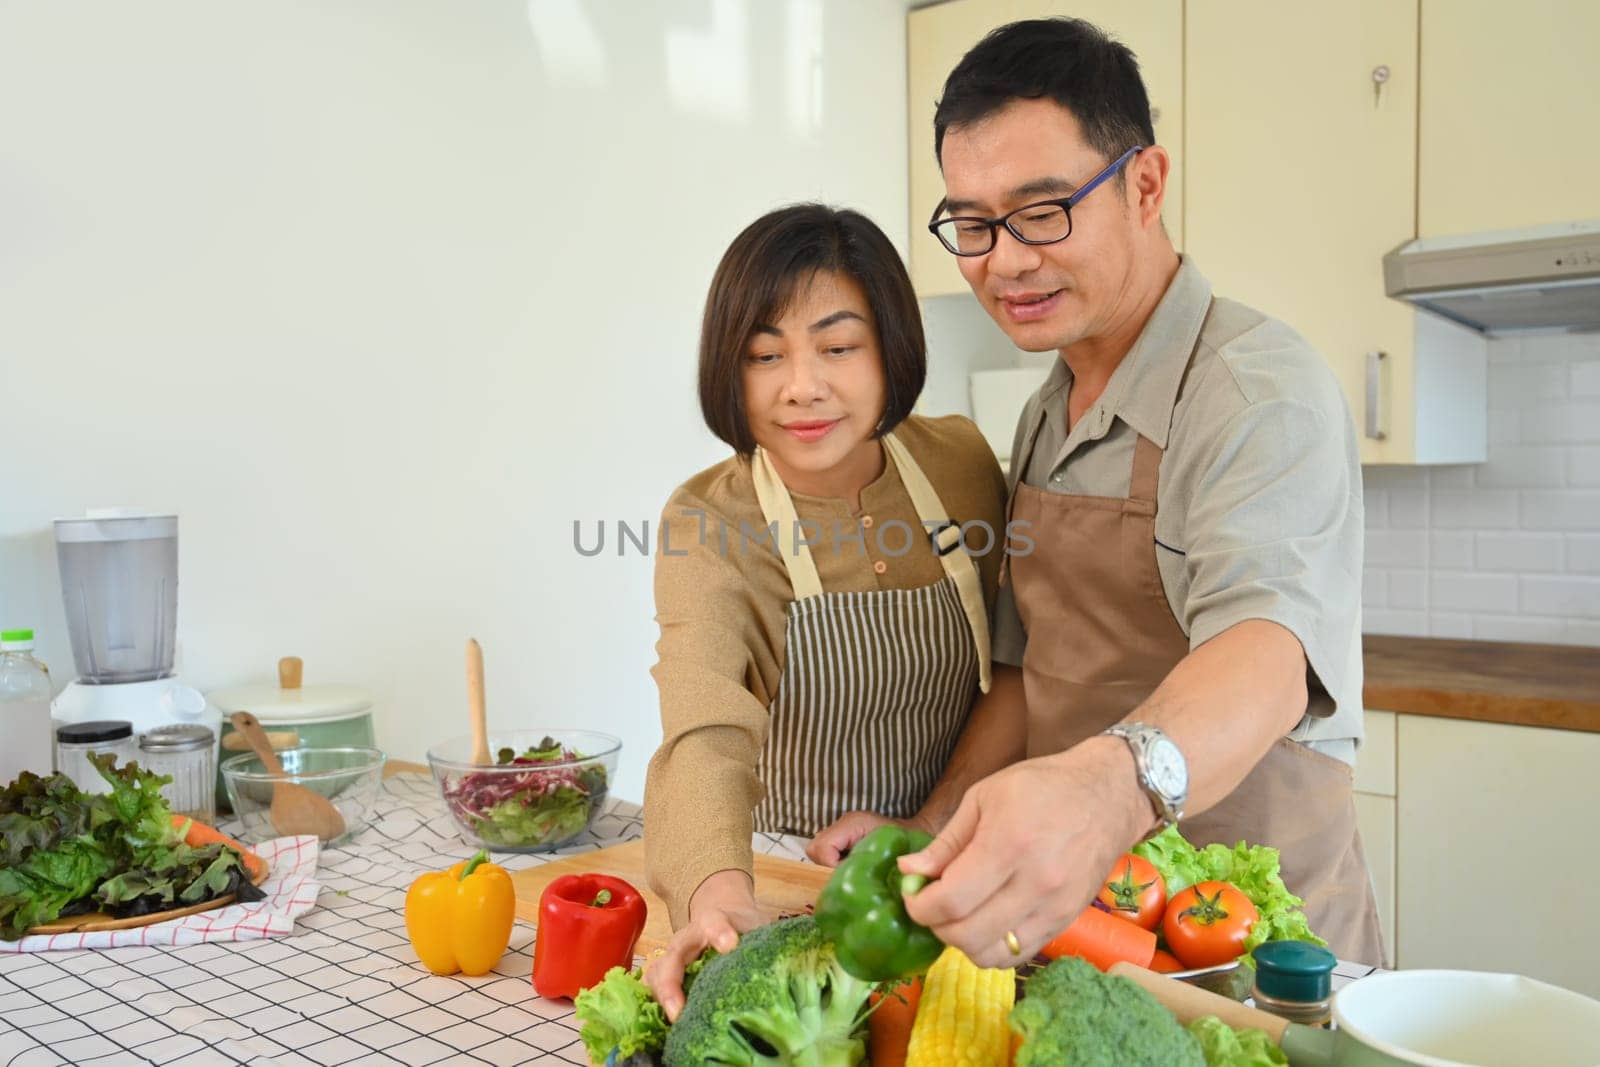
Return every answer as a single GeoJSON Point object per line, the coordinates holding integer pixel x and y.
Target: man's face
{"type": "Point", "coordinates": [1043, 296]}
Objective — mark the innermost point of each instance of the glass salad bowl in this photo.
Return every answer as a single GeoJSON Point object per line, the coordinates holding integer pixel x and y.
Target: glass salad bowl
{"type": "Point", "coordinates": [543, 790]}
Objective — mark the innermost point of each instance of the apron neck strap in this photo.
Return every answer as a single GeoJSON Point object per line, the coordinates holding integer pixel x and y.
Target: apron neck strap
{"type": "Point", "coordinates": [961, 568]}
{"type": "Point", "coordinates": [777, 508]}
{"type": "Point", "coordinates": [1146, 470]}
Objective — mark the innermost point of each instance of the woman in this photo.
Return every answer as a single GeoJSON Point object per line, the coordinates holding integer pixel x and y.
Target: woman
{"type": "Point", "coordinates": [823, 593]}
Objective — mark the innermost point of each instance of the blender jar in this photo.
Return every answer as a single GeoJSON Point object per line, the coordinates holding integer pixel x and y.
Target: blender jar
{"type": "Point", "coordinates": [119, 583]}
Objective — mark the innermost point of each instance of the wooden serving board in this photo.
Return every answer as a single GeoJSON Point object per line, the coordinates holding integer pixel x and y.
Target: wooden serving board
{"type": "Point", "coordinates": [783, 887]}
{"type": "Point", "coordinates": [199, 834]}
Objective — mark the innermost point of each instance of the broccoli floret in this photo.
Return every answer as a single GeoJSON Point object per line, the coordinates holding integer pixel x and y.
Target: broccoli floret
{"type": "Point", "coordinates": [1071, 1015]}
{"type": "Point", "coordinates": [779, 998]}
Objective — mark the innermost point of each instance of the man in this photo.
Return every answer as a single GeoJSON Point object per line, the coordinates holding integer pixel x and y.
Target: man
{"type": "Point", "coordinates": [1183, 638]}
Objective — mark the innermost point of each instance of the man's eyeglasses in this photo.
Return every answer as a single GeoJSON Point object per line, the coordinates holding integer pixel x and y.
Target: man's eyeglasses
{"type": "Point", "coordinates": [1043, 223]}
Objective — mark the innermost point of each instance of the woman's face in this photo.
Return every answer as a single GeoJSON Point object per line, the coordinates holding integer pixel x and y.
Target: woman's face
{"type": "Point", "coordinates": [814, 389]}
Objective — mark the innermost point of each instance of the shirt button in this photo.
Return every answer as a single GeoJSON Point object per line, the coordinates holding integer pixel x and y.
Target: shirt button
{"type": "Point", "coordinates": [880, 567]}
{"type": "Point", "coordinates": [866, 522]}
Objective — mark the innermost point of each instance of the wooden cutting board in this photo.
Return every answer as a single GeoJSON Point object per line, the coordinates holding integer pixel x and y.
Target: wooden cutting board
{"type": "Point", "coordinates": [783, 887]}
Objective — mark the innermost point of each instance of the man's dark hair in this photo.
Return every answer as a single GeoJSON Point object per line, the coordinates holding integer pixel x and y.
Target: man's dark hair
{"type": "Point", "coordinates": [1068, 61]}
{"type": "Point", "coordinates": [766, 267]}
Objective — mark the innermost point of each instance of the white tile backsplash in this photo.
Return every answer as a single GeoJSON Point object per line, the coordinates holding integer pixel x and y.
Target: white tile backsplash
{"type": "Point", "coordinates": [1507, 550]}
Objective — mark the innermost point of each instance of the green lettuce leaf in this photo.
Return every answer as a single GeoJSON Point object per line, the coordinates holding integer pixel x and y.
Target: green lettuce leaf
{"type": "Point", "coordinates": [1226, 1047]}
{"type": "Point", "coordinates": [619, 1012]}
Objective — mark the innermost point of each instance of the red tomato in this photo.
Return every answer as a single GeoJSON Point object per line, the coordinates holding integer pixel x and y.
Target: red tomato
{"type": "Point", "coordinates": [1207, 924]}
{"type": "Point", "coordinates": [1166, 963]}
{"type": "Point", "coordinates": [1134, 891]}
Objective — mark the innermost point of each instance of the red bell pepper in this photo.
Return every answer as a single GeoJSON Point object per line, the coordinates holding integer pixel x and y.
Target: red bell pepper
{"type": "Point", "coordinates": [588, 924]}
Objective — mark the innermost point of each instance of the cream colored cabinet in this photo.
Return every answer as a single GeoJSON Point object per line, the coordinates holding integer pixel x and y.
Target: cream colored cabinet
{"type": "Point", "coordinates": [1496, 848]}
{"type": "Point", "coordinates": [937, 38]}
{"type": "Point", "coordinates": [1508, 114]}
{"type": "Point", "coordinates": [1301, 125]}
{"type": "Point", "coordinates": [1375, 817]}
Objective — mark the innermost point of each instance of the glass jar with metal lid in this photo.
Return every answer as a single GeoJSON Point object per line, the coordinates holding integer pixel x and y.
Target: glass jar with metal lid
{"type": "Point", "coordinates": [76, 742]}
{"type": "Point", "coordinates": [187, 753]}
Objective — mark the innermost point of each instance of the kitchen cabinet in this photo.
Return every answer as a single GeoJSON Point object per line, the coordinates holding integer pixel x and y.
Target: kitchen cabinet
{"type": "Point", "coordinates": [1494, 842]}
{"type": "Point", "coordinates": [1507, 116]}
{"type": "Point", "coordinates": [1375, 816]}
{"type": "Point", "coordinates": [1301, 175]}
{"type": "Point", "coordinates": [937, 38]}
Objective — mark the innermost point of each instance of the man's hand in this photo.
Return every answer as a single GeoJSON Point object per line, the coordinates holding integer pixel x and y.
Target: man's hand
{"type": "Point", "coordinates": [837, 838]}
{"type": "Point", "coordinates": [721, 909]}
{"type": "Point", "coordinates": [1027, 849]}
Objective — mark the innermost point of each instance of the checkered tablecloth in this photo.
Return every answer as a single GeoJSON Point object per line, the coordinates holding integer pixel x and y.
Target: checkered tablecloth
{"type": "Point", "coordinates": [344, 988]}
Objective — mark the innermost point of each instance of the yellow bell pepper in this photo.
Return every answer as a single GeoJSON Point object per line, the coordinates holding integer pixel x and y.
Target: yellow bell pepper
{"type": "Point", "coordinates": [460, 920]}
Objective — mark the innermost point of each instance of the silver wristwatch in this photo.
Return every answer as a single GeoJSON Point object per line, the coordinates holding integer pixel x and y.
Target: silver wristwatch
{"type": "Point", "coordinates": [1163, 772]}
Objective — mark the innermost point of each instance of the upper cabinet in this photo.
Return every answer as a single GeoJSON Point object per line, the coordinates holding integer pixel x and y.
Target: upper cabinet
{"type": "Point", "coordinates": [940, 35]}
{"type": "Point", "coordinates": [1301, 176]}
{"type": "Point", "coordinates": [1507, 117]}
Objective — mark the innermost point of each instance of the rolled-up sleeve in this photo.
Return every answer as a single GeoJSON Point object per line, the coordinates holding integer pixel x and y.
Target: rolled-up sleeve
{"type": "Point", "coordinates": [1274, 532]}
{"type": "Point", "coordinates": [701, 786]}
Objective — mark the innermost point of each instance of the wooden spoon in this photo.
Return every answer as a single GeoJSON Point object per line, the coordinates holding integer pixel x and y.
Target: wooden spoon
{"type": "Point", "coordinates": [476, 704]}
{"type": "Point", "coordinates": [295, 809]}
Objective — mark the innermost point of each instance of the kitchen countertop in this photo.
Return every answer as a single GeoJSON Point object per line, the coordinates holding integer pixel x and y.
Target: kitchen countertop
{"type": "Point", "coordinates": [345, 988]}
{"type": "Point", "coordinates": [1554, 686]}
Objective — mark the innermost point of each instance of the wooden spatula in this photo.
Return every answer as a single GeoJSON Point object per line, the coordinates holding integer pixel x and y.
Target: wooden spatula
{"type": "Point", "coordinates": [477, 704]}
{"type": "Point", "coordinates": [295, 809]}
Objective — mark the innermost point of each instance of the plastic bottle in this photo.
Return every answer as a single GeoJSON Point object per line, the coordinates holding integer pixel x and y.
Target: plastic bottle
{"type": "Point", "coordinates": [26, 732]}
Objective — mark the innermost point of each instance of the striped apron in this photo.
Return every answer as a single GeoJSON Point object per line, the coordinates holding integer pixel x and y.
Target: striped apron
{"type": "Point", "coordinates": [875, 686]}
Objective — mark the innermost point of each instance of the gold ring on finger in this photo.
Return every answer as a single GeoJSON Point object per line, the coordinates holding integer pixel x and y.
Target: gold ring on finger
{"type": "Point", "coordinates": [1012, 943]}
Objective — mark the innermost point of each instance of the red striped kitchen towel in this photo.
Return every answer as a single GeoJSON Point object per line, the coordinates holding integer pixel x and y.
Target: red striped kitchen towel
{"type": "Point", "coordinates": [291, 890]}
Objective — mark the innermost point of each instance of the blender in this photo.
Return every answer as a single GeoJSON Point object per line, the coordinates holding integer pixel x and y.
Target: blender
{"type": "Point", "coordinates": [119, 583]}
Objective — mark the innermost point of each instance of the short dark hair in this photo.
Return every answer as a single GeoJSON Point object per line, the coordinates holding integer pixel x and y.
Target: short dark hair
{"type": "Point", "coordinates": [1069, 61]}
{"type": "Point", "coordinates": [765, 268]}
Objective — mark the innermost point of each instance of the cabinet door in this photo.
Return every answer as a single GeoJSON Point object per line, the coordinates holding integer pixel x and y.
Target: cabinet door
{"type": "Point", "coordinates": [1508, 116]}
{"type": "Point", "coordinates": [937, 38]}
{"type": "Point", "coordinates": [1495, 841]}
{"type": "Point", "coordinates": [1375, 817]}
{"type": "Point", "coordinates": [1301, 175]}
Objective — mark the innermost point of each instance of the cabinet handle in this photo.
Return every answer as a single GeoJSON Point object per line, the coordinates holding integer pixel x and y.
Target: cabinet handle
{"type": "Point", "coordinates": [1377, 420]}
{"type": "Point", "coordinates": [1380, 76]}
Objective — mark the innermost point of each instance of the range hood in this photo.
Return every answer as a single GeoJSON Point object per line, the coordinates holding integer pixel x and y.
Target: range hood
{"type": "Point", "coordinates": [1503, 281]}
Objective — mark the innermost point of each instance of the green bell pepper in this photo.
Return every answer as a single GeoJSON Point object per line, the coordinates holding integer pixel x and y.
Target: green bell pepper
{"type": "Point", "coordinates": [862, 909]}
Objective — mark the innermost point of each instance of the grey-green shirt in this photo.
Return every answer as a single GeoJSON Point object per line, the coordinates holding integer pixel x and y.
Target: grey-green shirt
{"type": "Point", "coordinates": [1258, 512]}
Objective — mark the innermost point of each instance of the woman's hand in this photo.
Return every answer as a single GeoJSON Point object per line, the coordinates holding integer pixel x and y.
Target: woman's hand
{"type": "Point", "coordinates": [835, 839]}
{"type": "Point", "coordinates": [721, 909]}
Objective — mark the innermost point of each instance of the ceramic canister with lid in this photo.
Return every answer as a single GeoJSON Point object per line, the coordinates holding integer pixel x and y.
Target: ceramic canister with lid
{"type": "Point", "coordinates": [295, 715]}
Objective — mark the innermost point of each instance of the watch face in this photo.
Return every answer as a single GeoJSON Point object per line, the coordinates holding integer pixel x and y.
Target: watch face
{"type": "Point", "coordinates": [1168, 772]}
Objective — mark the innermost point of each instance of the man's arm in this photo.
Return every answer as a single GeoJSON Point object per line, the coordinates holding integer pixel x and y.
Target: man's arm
{"type": "Point", "coordinates": [1027, 846]}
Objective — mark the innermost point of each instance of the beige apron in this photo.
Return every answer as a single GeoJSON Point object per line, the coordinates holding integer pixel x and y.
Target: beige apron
{"type": "Point", "coordinates": [1102, 637]}
{"type": "Point", "coordinates": [876, 686]}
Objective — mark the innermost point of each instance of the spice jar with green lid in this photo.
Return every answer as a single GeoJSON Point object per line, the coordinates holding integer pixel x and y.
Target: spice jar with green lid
{"type": "Point", "coordinates": [1294, 981]}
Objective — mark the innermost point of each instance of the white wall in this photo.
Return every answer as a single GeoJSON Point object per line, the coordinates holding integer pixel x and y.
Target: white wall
{"type": "Point", "coordinates": [1507, 550]}
{"type": "Point", "coordinates": [382, 295]}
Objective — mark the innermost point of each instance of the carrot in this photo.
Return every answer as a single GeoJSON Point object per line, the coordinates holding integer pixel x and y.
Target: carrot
{"type": "Point", "coordinates": [1104, 939]}
{"type": "Point", "coordinates": [889, 1025]}
{"type": "Point", "coordinates": [201, 834]}
{"type": "Point", "coordinates": [1165, 963]}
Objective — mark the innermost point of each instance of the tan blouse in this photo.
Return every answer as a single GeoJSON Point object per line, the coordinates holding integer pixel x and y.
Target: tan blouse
{"type": "Point", "coordinates": [721, 599]}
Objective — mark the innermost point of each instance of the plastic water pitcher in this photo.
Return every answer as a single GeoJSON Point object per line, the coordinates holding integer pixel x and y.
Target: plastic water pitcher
{"type": "Point", "coordinates": [26, 734]}
{"type": "Point", "coordinates": [119, 582]}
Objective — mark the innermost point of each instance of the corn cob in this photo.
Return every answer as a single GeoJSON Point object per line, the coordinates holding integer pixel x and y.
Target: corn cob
{"type": "Point", "coordinates": [962, 1016]}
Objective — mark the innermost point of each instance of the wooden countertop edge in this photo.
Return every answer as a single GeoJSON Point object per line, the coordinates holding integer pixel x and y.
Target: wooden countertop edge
{"type": "Point", "coordinates": [1551, 686]}
{"type": "Point", "coordinates": [1483, 707]}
